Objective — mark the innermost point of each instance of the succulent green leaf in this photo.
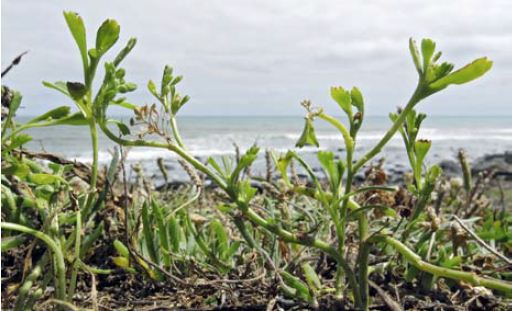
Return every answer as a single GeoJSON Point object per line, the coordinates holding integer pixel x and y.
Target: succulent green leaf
{"type": "Point", "coordinates": [45, 179]}
{"type": "Point", "coordinates": [162, 233]}
{"type": "Point", "coordinates": [77, 28]}
{"type": "Point", "coordinates": [428, 48]}
{"type": "Point", "coordinates": [12, 242]}
{"type": "Point", "coordinates": [246, 192]}
{"type": "Point", "coordinates": [301, 289]}
{"type": "Point", "coordinates": [124, 104]}
{"type": "Point", "coordinates": [282, 165]}
{"type": "Point", "coordinates": [121, 262]}
{"type": "Point", "coordinates": [357, 99]}
{"type": "Point", "coordinates": [343, 98]}
{"type": "Point", "coordinates": [308, 137]}
{"type": "Point", "coordinates": [332, 168]}
{"type": "Point", "coordinates": [17, 141]}
{"type": "Point", "coordinates": [148, 231]}
{"type": "Point", "coordinates": [221, 237]}
{"type": "Point", "coordinates": [152, 89]}
{"type": "Point", "coordinates": [177, 103]}
{"type": "Point", "coordinates": [15, 102]}
{"type": "Point", "coordinates": [76, 119]}
{"type": "Point", "coordinates": [433, 174]}
{"type": "Point", "coordinates": [125, 51]}
{"type": "Point", "coordinates": [175, 234]}
{"type": "Point", "coordinates": [123, 128]}
{"type": "Point", "coordinates": [413, 49]}
{"type": "Point", "coordinates": [166, 77]}
{"type": "Point", "coordinates": [311, 277]}
{"type": "Point", "coordinates": [58, 86]}
{"type": "Point", "coordinates": [53, 114]}
{"type": "Point", "coordinates": [127, 87]}
{"type": "Point", "coordinates": [422, 146]}
{"type": "Point", "coordinates": [121, 249]}
{"type": "Point", "coordinates": [18, 169]}
{"type": "Point", "coordinates": [466, 74]}
{"type": "Point", "coordinates": [107, 36]}
{"type": "Point", "coordinates": [245, 161]}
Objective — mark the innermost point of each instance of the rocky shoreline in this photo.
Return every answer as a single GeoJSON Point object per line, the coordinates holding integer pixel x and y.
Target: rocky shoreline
{"type": "Point", "coordinates": [499, 165]}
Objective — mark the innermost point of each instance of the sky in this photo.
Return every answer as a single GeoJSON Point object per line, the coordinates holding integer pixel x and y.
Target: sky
{"type": "Point", "coordinates": [263, 57]}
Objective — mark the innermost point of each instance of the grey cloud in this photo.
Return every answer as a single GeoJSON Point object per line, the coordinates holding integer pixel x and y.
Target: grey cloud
{"type": "Point", "coordinates": [247, 58]}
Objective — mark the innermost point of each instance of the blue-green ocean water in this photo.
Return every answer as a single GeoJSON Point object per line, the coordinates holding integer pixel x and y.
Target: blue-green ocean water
{"type": "Point", "coordinates": [215, 136]}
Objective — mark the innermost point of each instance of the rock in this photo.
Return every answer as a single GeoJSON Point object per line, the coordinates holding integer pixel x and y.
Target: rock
{"type": "Point", "coordinates": [499, 162]}
{"type": "Point", "coordinates": [450, 168]}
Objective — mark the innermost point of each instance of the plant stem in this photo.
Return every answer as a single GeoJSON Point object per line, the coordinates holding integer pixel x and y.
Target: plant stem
{"type": "Point", "coordinates": [54, 248]}
{"type": "Point", "coordinates": [415, 98]}
{"type": "Point", "coordinates": [364, 252]}
{"type": "Point", "coordinates": [95, 150]}
{"type": "Point", "coordinates": [468, 277]}
{"type": "Point", "coordinates": [311, 242]}
{"type": "Point", "coordinates": [76, 263]}
{"type": "Point", "coordinates": [349, 142]}
{"type": "Point", "coordinates": [176, 132]}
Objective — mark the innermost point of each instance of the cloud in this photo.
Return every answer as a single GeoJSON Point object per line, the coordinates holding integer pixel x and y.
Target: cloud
{"type": "Point", "coordinates": [262, 58]}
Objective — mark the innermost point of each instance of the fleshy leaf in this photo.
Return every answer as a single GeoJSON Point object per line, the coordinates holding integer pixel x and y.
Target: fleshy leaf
{"type": "Point", "coordinates": [76, 119]}
{"type": "Point", "coordinates": [343, 98]}
{"type": "Point", "coordinates": [466, 74]}
{"type": "Point", "coordinates": [422, 146]}
{"type": "Point", "coordinates": [123, 128]}
{"type": "Point", "coordinates": [413, 48]}
{"type": "Point", "coordinates": [58, 86]}
{"type": "Point", "coordinates": [427, 50]}
{"type": "Point", "coordinates": [121, 249]}
{"type": "Point", "coordinates": [125, 51]}
{"type": "Point", "coordinates": [77, 28]}
{"type": "Point", "coordinates": [107, 36]}
{"type": "Point", "coordinates": [308, 137]}
{"type": "Point", "coordinates": [54, 114]}
{"type": "Point", "coordinates": [357, 99]}
{"type": "Point", "coordinates": [17, 141]}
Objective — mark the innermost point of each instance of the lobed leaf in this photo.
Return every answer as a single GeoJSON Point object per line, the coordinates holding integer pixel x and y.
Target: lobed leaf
{"type": "Point", "coordinates": [428, 48]}
{"type": "Point", "coordinates": [343, 98]}
{"type": "Point", "coordinates": [466, 74]}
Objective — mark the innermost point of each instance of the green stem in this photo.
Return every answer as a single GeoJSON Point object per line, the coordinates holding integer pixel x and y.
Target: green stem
{"type": "Point", "coordinates": [415, 98]}
{"type": "Point", "coordinates": [22, 301]}
{"type": "Point", "coordinates": [54, 248]}
{"type": "Point", "coordinates": [364, 252]}
{"type": "Point", "coordinates": [176, 132]}
{"type": "Point", "coordinates": [76, 264]}
{"type": "Point", "coordinates": [154, 144]}
{"type": "Point", "coordinates": [468, 277]}
{"type": "Point", "coordinates": [95, 150]}
{"type": "Point", "coordinates": [311, 242]}
{"type": "Point", "coordinates": [249, 213]}
{"type": "Point", "coordinates": [349, 142]}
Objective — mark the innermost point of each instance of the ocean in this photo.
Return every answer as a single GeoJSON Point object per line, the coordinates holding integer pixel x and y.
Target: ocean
{"type": "Point", "coordinates": [216, 136]}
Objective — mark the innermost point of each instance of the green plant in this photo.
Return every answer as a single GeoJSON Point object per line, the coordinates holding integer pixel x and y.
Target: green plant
{"type": "Point", "coordinates": [249, 212]}
{"type": "Point", "coordinates": [433, 77]}
{"type": "Point", "coordinates": [169, 237]}
{"type": "Point", "coordinates": [41, 202]}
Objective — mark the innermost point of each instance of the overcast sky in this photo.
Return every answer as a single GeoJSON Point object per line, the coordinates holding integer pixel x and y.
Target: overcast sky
{"type": "Point", "coordinates": [264, 57]}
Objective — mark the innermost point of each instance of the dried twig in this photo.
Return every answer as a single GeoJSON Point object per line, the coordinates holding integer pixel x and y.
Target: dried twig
{"type": "Point", "coordinates": [392, 305]}
{"type": "Point", "coordinates": [14, 62]}
{"type": "Point", "coordinates": [481, 242]}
